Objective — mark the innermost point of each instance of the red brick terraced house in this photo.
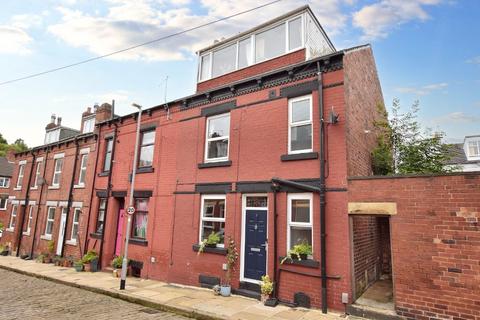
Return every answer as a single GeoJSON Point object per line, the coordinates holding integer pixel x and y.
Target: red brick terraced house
{"type": "Point", "coordinates": [260, 153]}
{"type": "Point", "coordinates": [6, 170]}
{"type": "Point", "coordinates": [52, 186]}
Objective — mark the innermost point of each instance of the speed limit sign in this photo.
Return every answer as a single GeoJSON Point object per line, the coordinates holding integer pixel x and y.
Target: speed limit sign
{"type": "Point", "coordinates": [131, 210]}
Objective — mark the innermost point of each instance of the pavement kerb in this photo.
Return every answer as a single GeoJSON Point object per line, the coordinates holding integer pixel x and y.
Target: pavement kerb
{"type": "Point", "coordinates": [121, 296]}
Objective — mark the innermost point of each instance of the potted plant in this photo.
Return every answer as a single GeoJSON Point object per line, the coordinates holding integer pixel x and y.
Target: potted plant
{"type": "Point", "coordinates": [266, 288]}
{"type": "Point", "coordinates": [68, 262]}
{"type": "Point", "coordinates": [117, 266]}
{"type": "Point", "coordinates": [303, 250]}
{"type": "Point", "coordinates": [57, 260]}
{"type": "Point", "coordinates": [51, 249]}
{"type": "Point", "coordinates": [78, 265]}
{"type": "Point", "coordinates": [210, 242]}
{"type": "Point", "coordinates": [90, 261]}
{"type": "Point", "coordinates": [4, 250]}
{"type": "Point", "coordinates": [40, 258]}
{"type": "Point", "coordinates": [232, 257]}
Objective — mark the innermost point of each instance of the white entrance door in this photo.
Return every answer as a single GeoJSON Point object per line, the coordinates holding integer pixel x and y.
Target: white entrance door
{"type": "Point", "coordinates": [61, 232]}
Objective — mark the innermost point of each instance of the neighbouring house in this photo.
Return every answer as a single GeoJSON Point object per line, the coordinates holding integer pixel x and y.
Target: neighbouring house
{"type": "Point", "coordinates": [466, 155]}
{"type": "Point", "coordinates": [6, 171]}
{"type": "Point", "coordinates": [50, 198]}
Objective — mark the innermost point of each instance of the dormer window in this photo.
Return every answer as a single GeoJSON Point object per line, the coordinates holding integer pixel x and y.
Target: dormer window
{"type": "Point", "coordinates": [52, 136]}
{"type": "Point", "coordinates": [474, 148]}
{"type": "Point", "coordinates": [88, 125]}
{"type": "Point", "coordinates": [265, 44]}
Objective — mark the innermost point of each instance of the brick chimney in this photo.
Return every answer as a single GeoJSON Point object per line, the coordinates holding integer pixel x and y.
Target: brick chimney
{"type": "Point", "coordinates": [103, 112]}
{"type": "Point", "coordinates": [86, 115]}
{"type": "Point", "coordinates": [52, 124]}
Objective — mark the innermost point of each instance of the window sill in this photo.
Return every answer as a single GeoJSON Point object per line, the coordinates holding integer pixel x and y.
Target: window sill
{"type": "Point", "coordinates": [140, 242]}
{"type": "Point", "coordinates": [10, 229]}
{"type": "Point", "coordinates": [309, 263]}
{"type": "Point", "coordinates": [145, 170]}
{"type": "Point", "coordinates": [299, 156]}
{"type": "Point", "coordinates": [71, 242]}
{"type": "Point", "coordinates": [79, 186]}
{"type": "Point", "coordinates": [214, 164]}
{"type": "Point", "coordinates": [26, 233]}
{"type": "Point", "coordinates": [46, 237]}
{"type": "Point", "coordinates": [17, 189]}
{"type": "Point", "coordinates": [216, 250]}
{"type": "Point", "coordinates": [104, 174]}
{"type": "Point", "coordinates": [96, 235]}
{"type": "Point", "coordinates": [3, 209]}
{"type": "Point", "coordinates": [33, 188]}
{"type": "Point", "coordinates": [54, 187]}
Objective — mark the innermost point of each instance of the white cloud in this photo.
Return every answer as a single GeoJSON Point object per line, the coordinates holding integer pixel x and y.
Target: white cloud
{"type": "Point", "coordinates": [377, 20]}
{"type": "Point", "coordinates": [130, 22]}
{"type": "Point", "coordinates": [26, 21]}
{"type": "Point", "coordinates": [456, 118]}
{"type": "Point", "coordinates": [423, 90]}
{"type": "Point", "coordinates": [474, 60]}
{"type": "Point", "coordinates": [14, 40]}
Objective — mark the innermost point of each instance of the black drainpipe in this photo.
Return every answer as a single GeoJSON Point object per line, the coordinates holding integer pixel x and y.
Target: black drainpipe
{"type": "Point", "coordinates": [97, 149]}
{"type": "Point", "coordinates": [323, 247]}
{"type": "Point", "coordinates": [27, 199]}
{"type": "Point", "coordinates": [109, 188]}
{"type": "Point", "coordinates": [275, 189]}
{"type": "Point", "coordinates": [39, 203]}
{"type": "Point", "coordinates": [70, 196]}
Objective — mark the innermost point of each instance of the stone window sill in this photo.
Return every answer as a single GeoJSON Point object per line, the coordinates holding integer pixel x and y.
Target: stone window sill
{"type": "Point", "coordinates": [46, 237]}
{"type": "Point", "coordinates": [54, 187]}
{"type": "Point", "coordinates": [79, 186]}
{"type": "Point", "coordinates": [10, 229]}
{"type": "Point", "coordinates": [96, 235]}
{"type": "Point", "coordinates": [299, 156]}
{"type": "Point", "coordinates": [27, 233]}
{"type": "Point", "coordinates": [216, 250]}
{"type": "Point", "coordinates": [215, 164]}
{"type": "Point", "coordinates": [104, 174]}
{"type": "Point", "coordinates": [309, 263]}
{"type": "Point", "coordinates": [71, 242]}
{"type": "Point", "coordinates": [17, 189]}
{"type": "Point", "coordinates": [140, 242]}
{"type": "Point", "coordinates": [145, 170]}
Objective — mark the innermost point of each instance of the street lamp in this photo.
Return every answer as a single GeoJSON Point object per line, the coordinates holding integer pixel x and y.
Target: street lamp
{"type": "Point", "coordinates": [131, 208]}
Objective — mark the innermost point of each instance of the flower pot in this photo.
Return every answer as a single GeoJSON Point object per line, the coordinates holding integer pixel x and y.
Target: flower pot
{"type": "Point", "coordinates": [4, 253]}
{"type": "Point", "coordinates": [294, 256]}
{"type": "Point", "coordinates": [78, 267]}
{"type": "Point", "coordinates": [94, 265]}
{"type": "Point", "coordinates": [47, 260]}
{"type": "Point", "coordinates": [117, 272]}
{"type": "Point", "coordinates": [225, 290]}
{"type": "Point", "coordinates": [67, 264]}
{"type": "Point", "coordinates": [303, 256]}
{"type": "Point", "coordinates": [264, 297]}
{"type": "Point", "coordinates": [87, 267]}
{"type": "Point", "coordinates": [211, 245]}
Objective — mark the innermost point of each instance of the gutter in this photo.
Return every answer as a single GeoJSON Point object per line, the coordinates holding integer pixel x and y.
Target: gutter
{"type": "Point", "coordinates": [27, 200]}
{"type": "Point", "coordinates": [39, 203]}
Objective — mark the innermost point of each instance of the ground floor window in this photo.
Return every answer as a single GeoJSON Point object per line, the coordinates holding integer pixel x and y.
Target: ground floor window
{"type": "Point", "coordinates": [29, 221]}
{"type": "Point", "coordinates": [50, 220]}
{"type": "Point", "coordinates": [299, 219]}
{"type": "Point", "coordinates": [76, 219]}
{"type": "Point", "coordinates": [213, 217]}
{"type": "Point", "coordinates": [13, 218]}
{"type": "Point", "coordinates": [3, 203]}
{"type": "Point", "coordinates": [102, 205]}
{"type": "Point", "coordinates": [140, 218]}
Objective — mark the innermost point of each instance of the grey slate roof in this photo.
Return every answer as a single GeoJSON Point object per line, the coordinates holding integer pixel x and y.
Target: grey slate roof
{"type": "Point", "coordinates": [6, 168]}
{"type": "Point", "coordinates": [458, 155]}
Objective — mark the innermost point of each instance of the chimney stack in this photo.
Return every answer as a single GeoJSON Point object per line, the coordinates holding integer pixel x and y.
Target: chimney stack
{"type": "Point", "coordinates": [103, 112]}
{"type": "Point", "coordinates": [59, 121]}
{"type": "Point", "coordinates": [52, 118]}
{"type": "Point", "coordinates": [52, 124]}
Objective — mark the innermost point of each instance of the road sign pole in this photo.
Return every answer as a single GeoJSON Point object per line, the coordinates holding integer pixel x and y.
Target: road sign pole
{"type": "Point", "coordinates": [123, 278]}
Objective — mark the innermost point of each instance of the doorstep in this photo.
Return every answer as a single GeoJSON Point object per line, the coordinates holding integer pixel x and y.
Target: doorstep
{"type": "Point", "coordinates": [194, 302]}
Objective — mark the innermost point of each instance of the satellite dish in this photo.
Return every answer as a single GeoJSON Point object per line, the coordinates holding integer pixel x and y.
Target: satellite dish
{"type": "Point", "coordinates": [41, 181]}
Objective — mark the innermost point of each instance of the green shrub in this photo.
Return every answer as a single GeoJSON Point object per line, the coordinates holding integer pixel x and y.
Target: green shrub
{"type": "Point", "coordinates": [89, 256]}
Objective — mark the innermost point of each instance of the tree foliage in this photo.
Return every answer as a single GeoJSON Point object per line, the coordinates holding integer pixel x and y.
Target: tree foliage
{"type": "Point", "coordinates": [18, 146]}
{"type": "Point", "coordinates": [404, 148]}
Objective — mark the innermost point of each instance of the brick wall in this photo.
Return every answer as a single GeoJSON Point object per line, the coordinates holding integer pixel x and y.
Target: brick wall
{"type": "Point", "coordinates": [435, 242]}
{"type": "Point", "coordinates": [256, 69]}
{"type": "Point", "coordinates": [363, 94]}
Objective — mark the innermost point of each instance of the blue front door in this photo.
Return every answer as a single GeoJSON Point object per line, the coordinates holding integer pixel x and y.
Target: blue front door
{"type": "Point", "coordinates": [255, 244]}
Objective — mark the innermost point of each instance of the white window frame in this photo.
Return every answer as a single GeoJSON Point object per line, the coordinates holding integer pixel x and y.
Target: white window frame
{"type": "Point", "coordinates": [6, 203]}
{"type": "Point", "coordinates": [39, 163]}
{"type": "Point", "coordinates": [21, 169]}
{"type": "Point", "coordinates": [298, 124]}
{"type": "Point", "coordinates": [5, 182]}
{"type": "Point", "coordinates": [76, 212]}
{"type": "Point", "coordinates": [202, 218]}
{"type": "Point", "coordinates": [48, 236]}
{"type": "Point", "coordinates": [252, 48]}
{"type": "Point", "coordinates": [82, 174]}
{"type": "Point", "coordinates": [477, 142]}
{"type": "Point", "coordinates": [12, 217]}
{"type": "Point", "coordinates": [91, 126]}
{"type": "Point", "coordinates": [207, 139]}
{"type": "Point", "coordinates": [290, 223]}
{"type": "Point", "coordinates": [29, 221]}
{"type": "Point", "coordinates": [57, 157]}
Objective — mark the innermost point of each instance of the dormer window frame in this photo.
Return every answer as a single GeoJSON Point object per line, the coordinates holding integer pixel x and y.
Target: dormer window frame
{"type": "Point", "coordinates": [49, 134]}
{"type": "Point", "coordinates": [472, 144]}
{"type": "Point", "coordinates": [86, 120]}
{"type": "Point", "coordinates": [286, 22]}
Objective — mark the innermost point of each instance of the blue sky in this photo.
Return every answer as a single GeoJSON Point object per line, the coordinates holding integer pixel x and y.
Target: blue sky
{"type": "Point", "coordinates": [424, 49]}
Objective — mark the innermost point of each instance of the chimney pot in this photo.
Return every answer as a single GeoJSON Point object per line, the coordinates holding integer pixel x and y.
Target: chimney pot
{"type": "Point", "coordinates": [52, 118]}
{"type": "Point", "coordinates": [59, 121]}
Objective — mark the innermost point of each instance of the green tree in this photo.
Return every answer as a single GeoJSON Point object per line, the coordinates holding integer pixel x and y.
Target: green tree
{"type": "Point", "coordinates": [3, 146]}
{"type": "Point", "coordinates": [19, 145]}
{"type": "Point", "coordinates": [404, 148]}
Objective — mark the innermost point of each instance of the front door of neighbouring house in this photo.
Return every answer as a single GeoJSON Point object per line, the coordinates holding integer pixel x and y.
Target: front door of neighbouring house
{"type": "Point", "coordinates": [61, 232]}
{"type": "Point", "coordinates": [255, 238]}
{"type": "Point", "coordinates": [118, 242]}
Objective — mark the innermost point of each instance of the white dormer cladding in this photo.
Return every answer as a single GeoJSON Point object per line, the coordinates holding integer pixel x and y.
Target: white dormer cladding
{"type": "Point", "coordinates": [52, 136]}
{"type": "Point", "coordinates": [89, 124]}
{"type": "Point", "coordinates": [472, 147]}
{"type": "Point", "coordinates": [296, 31]}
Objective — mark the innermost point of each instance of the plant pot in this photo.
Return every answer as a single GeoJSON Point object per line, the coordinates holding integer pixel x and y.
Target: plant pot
{"type": "Point", "coordinates": [47, 260]}
{"type": "Point", "coordinates": [94, 265]}
{"type": "Point", "coordinates": [303, 256]}
{"type": "Point", "coordinates": [225, 290]}
{"type": "Point", "coordinates": [87, 267]}
{"type": "Point", "coordinates": [211, 245]}
{"type": "Point", "coordinates": [117, 272]}
{"type": "Point", "coordinates": [4, 253]}
{"type": "Point", "coordinates": [78, 267]}
{"type": "Point", "coordinates": [67, 264]}
{"type": "Point", "coordinates": [264, 298]}
{"type": "Point", "coordinates": [294, 256]}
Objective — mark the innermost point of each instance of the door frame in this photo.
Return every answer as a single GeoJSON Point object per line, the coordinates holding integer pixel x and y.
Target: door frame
{"type": "Point", "coordinates": [62, 230]}
{"type": "Point", "coordinates": [242, 255]}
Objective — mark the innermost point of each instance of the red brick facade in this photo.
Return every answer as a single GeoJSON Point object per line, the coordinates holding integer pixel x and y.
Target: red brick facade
{"type": "Point", "coordinates": [435, 242]}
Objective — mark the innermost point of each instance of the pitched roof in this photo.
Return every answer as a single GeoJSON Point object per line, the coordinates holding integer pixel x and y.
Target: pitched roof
{"type": "Point", "coordinates": [458, 155]}
{"type": "Point", "coordinates": [6, 167]}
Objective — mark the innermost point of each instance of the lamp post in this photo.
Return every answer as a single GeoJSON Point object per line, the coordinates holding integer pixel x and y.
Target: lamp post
{"type": "Point", "coordinates": [131, 209]}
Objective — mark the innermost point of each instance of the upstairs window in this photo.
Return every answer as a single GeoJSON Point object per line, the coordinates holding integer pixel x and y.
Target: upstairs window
{"type": "Point", "coordinates": [300, 124]}
{"type": "Point", "coordinates": [4, 182]}
{"type": "Point", "coordinates": [83, 170]}
{"type": "Point", "coordinates": [57, 173]}
{"type": "Point", "coordinates": [52, 136]}
{"type": "Point", "coordinates": [108, 155]}
{"type": "Point", "coordinates": [218, 131]}
{"type": "Point", "coordinates": [147, 146]}
{"type": "Point", "coordinates": [283, 38]}
{"type": "Point", "coordinates": [21, 172]}
{"type": "Point", "coordinates": [88, 125]}
{"type": "Point", "coordinates": [38, 170]}
{"type": "Point", "coordinates": [474, 148]}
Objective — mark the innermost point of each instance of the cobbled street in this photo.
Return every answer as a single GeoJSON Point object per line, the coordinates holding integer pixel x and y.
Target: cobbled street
{"type": "Point", "coordinates": [24, 297]}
